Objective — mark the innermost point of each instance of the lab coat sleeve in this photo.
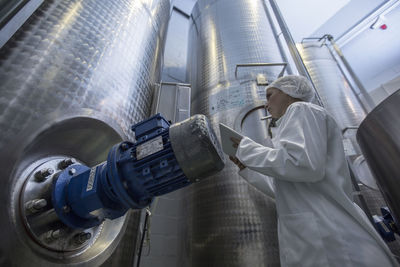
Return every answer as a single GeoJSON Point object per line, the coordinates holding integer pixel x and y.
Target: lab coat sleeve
{"type": "Point", "coordinates": [262, 182]}
{"type": "Point", "coordinates": [301, 152]}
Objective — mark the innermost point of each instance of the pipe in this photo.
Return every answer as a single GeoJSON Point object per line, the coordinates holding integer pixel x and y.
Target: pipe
{"type": "Point", "coordinates": [356, 94]}
{"type": "Point", "coordinates": [284, 64]}
{"type": "Point", "coordinates": [360, 86]}
{"type": "Point", "coordinates": [292, 47]}
{"type": "Point", "coordinates": [278, 41]}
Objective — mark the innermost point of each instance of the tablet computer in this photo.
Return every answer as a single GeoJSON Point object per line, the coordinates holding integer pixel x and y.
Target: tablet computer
{"type": "Point", "coordinates": [226, 142]}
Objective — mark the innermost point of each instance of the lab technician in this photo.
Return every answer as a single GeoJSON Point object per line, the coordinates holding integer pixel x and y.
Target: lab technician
{"type": "Point", "coordinates": [318, 223]}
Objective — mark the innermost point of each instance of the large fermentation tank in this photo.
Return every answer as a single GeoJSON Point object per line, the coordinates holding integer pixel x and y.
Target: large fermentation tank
{"type": "Point", "coordinates": [335, 92]}
{"type": "Point", "coordinates": [230, 223]}
{"type": "Point", "coordinates": [379, 138]}
{"type": "Point", "coordinates": [73, 78]}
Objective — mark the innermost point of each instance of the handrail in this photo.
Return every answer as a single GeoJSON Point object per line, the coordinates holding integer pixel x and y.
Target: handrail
{"type": "Point", "coordinates": [284, 64]}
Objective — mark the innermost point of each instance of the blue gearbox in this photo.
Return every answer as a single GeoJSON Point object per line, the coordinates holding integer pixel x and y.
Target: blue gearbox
{"type": "Point", "coordinates": [163, 159]}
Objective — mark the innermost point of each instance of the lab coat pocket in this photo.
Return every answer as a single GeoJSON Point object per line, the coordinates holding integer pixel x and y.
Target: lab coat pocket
{"type": "Point", "coordinates": [300, 241]}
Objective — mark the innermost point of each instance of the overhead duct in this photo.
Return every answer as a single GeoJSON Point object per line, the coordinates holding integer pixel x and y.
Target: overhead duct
{"type": "Point", "coordinates": [74, 78]}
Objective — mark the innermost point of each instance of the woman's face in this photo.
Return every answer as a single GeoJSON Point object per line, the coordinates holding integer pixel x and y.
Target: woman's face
{"type": "Point", "coordinates": [277, 102]}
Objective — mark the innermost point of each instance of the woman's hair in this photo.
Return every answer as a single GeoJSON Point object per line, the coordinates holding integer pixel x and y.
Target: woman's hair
{"type": "Point", "coordinates": [295, 86]}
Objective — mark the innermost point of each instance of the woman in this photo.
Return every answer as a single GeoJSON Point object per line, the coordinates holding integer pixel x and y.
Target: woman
{"type": "Point", "coordinates": [318, 223]}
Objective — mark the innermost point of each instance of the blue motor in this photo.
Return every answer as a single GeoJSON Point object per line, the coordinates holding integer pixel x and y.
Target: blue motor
{"type": "Point", "coordinates": [386, 225]}
{"type": "Point", "coordinates": [163, 159]}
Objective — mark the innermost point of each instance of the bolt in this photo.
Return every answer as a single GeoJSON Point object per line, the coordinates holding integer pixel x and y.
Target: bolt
{"type": "Point", "coordinates": [35, 205]}
{"type": "Point", "coordinates": [72, 171]}
{"type": "Point", "coordinates": [66, 162]}
{"type": "Point", "coordinates": [66, 209]}
{"type": "Point", "coordinates": [56, 234]}
{"type": "Point", "coordinates": [40, 203]}
{"type": "Point", "coordinates": [52, 235]}
{"type": "Point", "coordinates": [82, 238]}
{"type": "Point", "coordinates": [43, 174]}
{"type": "Point", "coordinates": [124, 146]}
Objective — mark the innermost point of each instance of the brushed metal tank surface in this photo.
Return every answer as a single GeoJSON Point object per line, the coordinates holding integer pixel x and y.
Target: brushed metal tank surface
{"type": "Point", "coordinates": [230, 223]}
{"type": "Point", "coordinates": [379, 139]}
{"type": "Point", "coordinates": [101, 55]}
{"type": "Point", "coordinates": [335, 93]}
{"type": "Point", "coordinates": [92, 59]}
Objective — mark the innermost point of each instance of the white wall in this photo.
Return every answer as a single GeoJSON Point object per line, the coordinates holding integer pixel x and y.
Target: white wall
{"type": "Point", "coordinates": [374, 54]}
{"type": "Point", "coordinates": [306, 16]}
{"type": "Point", "coordinates": [348, 16]}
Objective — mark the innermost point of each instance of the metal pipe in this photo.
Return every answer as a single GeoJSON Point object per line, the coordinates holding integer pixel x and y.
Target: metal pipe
{"type": "Point", "coordinates": [278, 41]}
{"type": "Point", "coordinates": [14, 15]}
{"type": "Point", "coordinates": [356, 94]}
{"type": "Point", "coordinates": [178, 84]}
{"type": "Point", "coordinates": [292, 47]}
{"type": "Point", "coordinates": [180, 11]}
{"type": "Point", "coordinates": [349, 128]}
{"type": "Point", "coordinates": [284, 64]}
{"type": "Point", "coordinates": [354, 77]}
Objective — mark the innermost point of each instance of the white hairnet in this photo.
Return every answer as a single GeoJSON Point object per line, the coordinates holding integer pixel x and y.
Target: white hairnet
{"type": "Point", "coordinates": [296, 86]}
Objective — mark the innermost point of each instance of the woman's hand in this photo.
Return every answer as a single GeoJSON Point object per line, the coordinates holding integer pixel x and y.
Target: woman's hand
{"type": "Point", "coordinates": [237, 162]}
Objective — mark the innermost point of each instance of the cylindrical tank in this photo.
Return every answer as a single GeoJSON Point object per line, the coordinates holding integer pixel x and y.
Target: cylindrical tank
{"type": "Point", "coordinates": [230, 223]}
{"type": "Point", "coordinates": [73, 78]}
{"type": "Point", "coordinates": [333, 89]}
{"type": "Point", "coordinates": [379, 139]}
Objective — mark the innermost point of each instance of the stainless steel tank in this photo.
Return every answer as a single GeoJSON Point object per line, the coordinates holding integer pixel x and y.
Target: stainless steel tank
{"type": "Point", "coordinates": [333, 89]}
{"type": "Point", "coordinates": [229, 222]}
{"type": "Point", "coordinates": [73, 78]}
{"type": "Point", "coordinates": [379, 139]}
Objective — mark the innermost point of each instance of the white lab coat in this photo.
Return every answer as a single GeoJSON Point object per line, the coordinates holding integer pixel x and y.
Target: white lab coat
{"type": "Point", "coordinates": [318, 223]}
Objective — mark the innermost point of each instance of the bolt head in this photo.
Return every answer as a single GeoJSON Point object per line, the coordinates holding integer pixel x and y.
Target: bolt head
{"type": "Point", "coordinates": [56, 234]}
{"type": "Point", "coordinates": [72, 171]}
{"type": "Point", "coordinates": [66, 209]}
{"type": "Point", "coordinates": [43, 174]}
{"type": "Point", "coordinates": [66, 162]}
{"type": "Point", "coordinates": [39, 204]}
{"type": "Point", "coordinates": [35, 205]}
{"type": "Point", "coordinates": [124, 146]}
{"type": "Point", "coordinates": [52, 235]}
{"type": "Point", "coordinates": [82, 237]}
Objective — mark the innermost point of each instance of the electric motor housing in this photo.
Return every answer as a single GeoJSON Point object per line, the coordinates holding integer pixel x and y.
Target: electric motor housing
{"type": "Point", "coordinates": [163, 159]}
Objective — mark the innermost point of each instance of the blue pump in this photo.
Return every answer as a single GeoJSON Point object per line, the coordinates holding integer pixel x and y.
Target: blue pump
{"type": "Point", "coordinates": [132, 176]}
